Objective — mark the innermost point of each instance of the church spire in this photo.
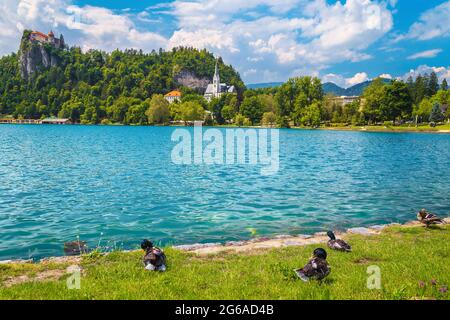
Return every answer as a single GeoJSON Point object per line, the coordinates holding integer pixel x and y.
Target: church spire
{"type": "Point", "coordinates": [216, 79]}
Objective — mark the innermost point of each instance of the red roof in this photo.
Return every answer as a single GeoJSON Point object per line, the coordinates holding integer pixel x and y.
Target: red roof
{"type": "Point", "coordinates": [174, 93]}
{"type": "Point", "coordinates": [39, 34]}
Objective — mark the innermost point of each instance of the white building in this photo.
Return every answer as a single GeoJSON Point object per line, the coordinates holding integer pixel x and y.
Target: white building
{"type": "Point", "coordinates": [216, 89]}
{"type": "Point", "coordinates": [173, 96]}
{"type": "Point", "coordinates": [345, 100]}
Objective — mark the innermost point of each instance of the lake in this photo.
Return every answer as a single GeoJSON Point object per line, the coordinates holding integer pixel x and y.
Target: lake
{"type": "Point", "coordinates": [114, 185]}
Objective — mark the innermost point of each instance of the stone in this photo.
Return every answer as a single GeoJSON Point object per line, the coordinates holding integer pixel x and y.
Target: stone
{"type": "Point", "coordinates": [16, 261]}
{"type": "Point", "coordinates": [283, 236]}
{"type": "Point", "coordinates": [304, 236]}
{"type": "Point", "coordinates": [195, 246]}
{"type": "Point", "coordinates": [379, 227]}
{"type": "Point", "coordinates": [235, 243]}
{"type": "Point", "coordinates": [361, 230]}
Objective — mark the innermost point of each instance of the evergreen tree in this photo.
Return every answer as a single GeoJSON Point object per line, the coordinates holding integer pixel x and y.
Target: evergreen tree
{"type": "Point", "coordinates": [420, 89]}
{"type": "Point", "coordinates": [436, 113]}
{"type": "Point", "coordinates": [433, 85]}
{"type": "Point", "coordinates": [444, 85]}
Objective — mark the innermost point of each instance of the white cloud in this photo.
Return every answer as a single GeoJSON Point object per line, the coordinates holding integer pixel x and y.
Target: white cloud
{"type": "Point", "coordinates": [277, 38]}
{"type": "Point", "coordinates": [314, 35]}
{"type": "Point", "coordinates": [425, 54]}
{"type": "Point", "coordinates": [88, 26]}
{"type": "Point", "coordinates": [385, 76]}
{"type": "Point", "coordinates": [346, 82]}
{"type": "Point", "coordinates": [358, 78]}
{"type": "Point", "coordinates": [432, 24]}
{"type": "Point", "coordinates": [441, 72]}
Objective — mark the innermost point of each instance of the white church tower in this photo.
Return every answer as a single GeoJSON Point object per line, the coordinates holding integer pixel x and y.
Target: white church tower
{"type": "Point", "coordinates": [216, 89]}
{"type": "Point", "coordinates": [216, 80]}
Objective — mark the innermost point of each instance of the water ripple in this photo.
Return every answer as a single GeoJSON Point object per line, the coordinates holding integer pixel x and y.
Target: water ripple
{"type": "Point", "coordinates": [117, 184]}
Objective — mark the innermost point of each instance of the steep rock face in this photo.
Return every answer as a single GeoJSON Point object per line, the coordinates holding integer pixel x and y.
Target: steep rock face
{"type": "Point", "coordinates": [190, 80]}
{"type": "Point", "coordinates": [33, 57]}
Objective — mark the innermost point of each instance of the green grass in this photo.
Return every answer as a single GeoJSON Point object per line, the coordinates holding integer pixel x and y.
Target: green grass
{"type": "Point", "coordinates": [406, 256]}
{"type": "Point", "coordinates": [402, 128]}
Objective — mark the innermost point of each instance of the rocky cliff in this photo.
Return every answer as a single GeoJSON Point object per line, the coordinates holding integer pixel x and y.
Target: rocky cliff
{"type": "Point", "coordinates": [190, 80]}
{"type": "Point", "coordinates": [34, 56]}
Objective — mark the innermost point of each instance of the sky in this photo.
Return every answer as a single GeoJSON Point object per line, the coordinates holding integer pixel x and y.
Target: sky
{"type": "Point", "coordinates": [345, 42]}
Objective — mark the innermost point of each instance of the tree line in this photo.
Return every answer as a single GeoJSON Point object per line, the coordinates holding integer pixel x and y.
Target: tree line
{"type": "Point", "coordinates": [128, 86]}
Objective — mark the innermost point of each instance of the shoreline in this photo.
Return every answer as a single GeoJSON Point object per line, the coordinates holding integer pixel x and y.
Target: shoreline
{"type": "Point", "coordinates": [242, 247]}
{"type": "Point", "coordinates": [352, 129]}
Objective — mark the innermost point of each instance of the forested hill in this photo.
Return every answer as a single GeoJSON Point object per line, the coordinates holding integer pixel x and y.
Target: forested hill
{"type": "Point", "coordinates": [88, 85]}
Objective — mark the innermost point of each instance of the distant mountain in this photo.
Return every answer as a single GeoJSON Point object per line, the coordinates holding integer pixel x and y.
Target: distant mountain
{"type": "Point", "coordinates": [332, 88]}
{"type": "Point", "coordinates": [264, 85]}
{"type": "Point", "coordinates": [328, 87]}
{"type": "Point", "coordinates": [355, 90]}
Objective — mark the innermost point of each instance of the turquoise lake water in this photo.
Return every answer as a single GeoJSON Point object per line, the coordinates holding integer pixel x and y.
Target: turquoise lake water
{"type": "Point", "coordinates": [117, 185]}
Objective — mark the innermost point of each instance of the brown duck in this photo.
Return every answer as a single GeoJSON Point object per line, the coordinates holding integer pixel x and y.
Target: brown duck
{"type": "Point", "coordinates": [428, 218]}
{"type": "Point", "coordinates": [317, 267]}
{"type": "Point", "coordinates": [337, 244]}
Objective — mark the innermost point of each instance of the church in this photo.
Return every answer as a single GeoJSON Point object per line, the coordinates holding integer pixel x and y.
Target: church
{"type": "Point", "coordinates": [217, 89]}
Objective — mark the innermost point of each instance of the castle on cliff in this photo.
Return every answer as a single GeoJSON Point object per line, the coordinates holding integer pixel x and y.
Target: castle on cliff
{"type": "Point", "coordinates": [47, 38]}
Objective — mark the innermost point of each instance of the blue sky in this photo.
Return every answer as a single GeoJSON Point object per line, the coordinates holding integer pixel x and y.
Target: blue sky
{"type": "Point", "coordinates": [345, 42]}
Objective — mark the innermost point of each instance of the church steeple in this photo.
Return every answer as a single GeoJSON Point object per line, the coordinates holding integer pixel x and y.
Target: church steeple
{"type": "Point", "coordinates": [216, 79]}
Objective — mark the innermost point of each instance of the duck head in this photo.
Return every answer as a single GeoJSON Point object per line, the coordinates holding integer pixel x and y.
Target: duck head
{"type": "Point", "coordinates": [422, 213]}
{"type": "Point", "coordinates": [320, 253]}
{"type": "Point", "coordinates": [331, 235]}
{"type": "Point", "coordinates": [146, 245]}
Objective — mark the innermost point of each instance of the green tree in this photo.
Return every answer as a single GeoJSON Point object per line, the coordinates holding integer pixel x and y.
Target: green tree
{"type": "Point", "coordinates": [118, 110]}
{"type": "Point", "coordinates": [436, 113]}
{"type": "Point", "coordinates": [191, 111]}
{"type": "Point", "coordinates": [372, 100]}
{"type": "Point", "coordinates": [252, 109]}
{"type": "Point", "coordinates": [90, 116]}
{"type": "Point", "coordinates": [228, 112]}
{"type": "Point", "coordinates": [269, 118]}
{"type": "Point", "coordinates": [158, 110]}
{"type": "Point", "coordinates": [240, 120]}
{"type": "Point", "coordinates": [396, 101]}
{"type": "Point", "coordinates": [136, 114]}
{"type": "Point", "coordinates": [312, 115]}
{"type": "Point", "coordinates": [297, 93]}
{"type": "Point", "coordinates": [433, 85]}
{"type": "Point", "coordinates": [444, 85]}
{"type": "Point", "coordinates": [423, 110]}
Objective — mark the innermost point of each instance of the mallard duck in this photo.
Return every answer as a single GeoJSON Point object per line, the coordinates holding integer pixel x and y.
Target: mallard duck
{"type": "Point", "coordinates": [75, 248]}
{"type": "Point", "coordinates": [317, 267]}
{"type": "Point", "coordinates": [337, 244]}
{"type": "Point", "coordinates": [428, 218]}
{"type": "Point", "coordinates": [154, 258]}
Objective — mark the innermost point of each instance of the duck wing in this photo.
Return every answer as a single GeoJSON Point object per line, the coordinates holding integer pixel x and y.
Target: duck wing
{"type": "Point", "coordinates": [314, 269]}
{"type": "Point", "coordinates": [339, 245]}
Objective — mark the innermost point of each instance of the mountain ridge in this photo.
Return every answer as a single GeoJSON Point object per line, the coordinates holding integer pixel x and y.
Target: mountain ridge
{"type": "Point", "coordinates": [328, 87]}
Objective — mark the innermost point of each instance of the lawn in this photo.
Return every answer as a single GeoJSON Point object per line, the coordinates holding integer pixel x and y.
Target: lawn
{"type": "Point", "coordinates": [402, 128]}
{"type": "Point", "coordinates": [414, 264]}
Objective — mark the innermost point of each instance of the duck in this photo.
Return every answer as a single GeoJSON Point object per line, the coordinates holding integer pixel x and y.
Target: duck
{"type": "Point", "coordinates": [337, 244]}
{"type": "Point", "coordinates": [154, 257]}
{"type": "Point", "coordinates": [428, 218]}
{"type": "Point", "coordinates": [317, 267]}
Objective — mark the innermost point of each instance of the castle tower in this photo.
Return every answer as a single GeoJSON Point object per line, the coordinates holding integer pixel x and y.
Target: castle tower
{"type": "Point", "coordinates": [216, 80]}
{"type": "Point", "coordinates": [51, 37]}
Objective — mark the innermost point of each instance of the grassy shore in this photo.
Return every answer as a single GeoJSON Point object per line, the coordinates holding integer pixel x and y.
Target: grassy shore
{"type": "Point", "coordinates": [413, 263]}
{"type": "Point", "coordinates": [403, 128]}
